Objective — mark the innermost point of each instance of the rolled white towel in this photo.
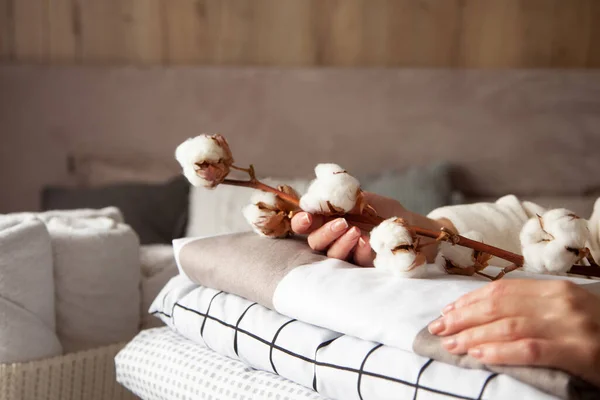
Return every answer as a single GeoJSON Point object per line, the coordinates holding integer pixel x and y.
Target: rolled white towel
{"type": "Point", "coordinates": [97, 279]}
{"type": "Point", "coordinates": [27, 312]}
{"type": "Point", "coordinates": [109, 212]}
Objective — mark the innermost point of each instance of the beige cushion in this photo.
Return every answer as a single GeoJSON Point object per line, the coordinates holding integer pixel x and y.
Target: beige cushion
{"type": "Point", "coordinates": [27, 312]}
{"type": "Point", "coordinates": [219, 211]}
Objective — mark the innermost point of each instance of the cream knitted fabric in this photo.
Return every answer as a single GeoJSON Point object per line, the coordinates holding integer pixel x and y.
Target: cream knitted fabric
{"type": "Point", "coordinates": [500, 223]}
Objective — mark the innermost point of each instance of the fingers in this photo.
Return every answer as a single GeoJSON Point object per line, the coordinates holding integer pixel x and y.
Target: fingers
{"type": "Point", "coordinates": [304, 223]}
{"type": "Point", "coordinates": [344, 245]}
{"type": "Point", "coordinates": [363, 254]}
{"type": "Point", "coordinates": [503, 330]}
{"type": "Point", "coordinates": [324, 237]}
{"type": "Point", "coordinates": [503, 289]}
{"type": "Point", "coordinates": [531, 352]}
{"type": "Point", "coordinates": [486, 311]}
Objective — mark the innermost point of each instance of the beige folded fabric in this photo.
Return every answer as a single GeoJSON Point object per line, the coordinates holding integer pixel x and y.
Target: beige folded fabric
{"type": "Point", "coordinates": [27, 313]}
{"type": "Point", "coordinates": [97, 278]}
{"type": "Point", "coordinates": [245, 264]}
{"type": "Point", "coordinates": [558, 383]}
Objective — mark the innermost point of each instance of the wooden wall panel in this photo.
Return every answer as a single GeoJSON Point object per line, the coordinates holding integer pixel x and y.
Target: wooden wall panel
{"type": "Point", "coordinates": [191, 28]}
{"type": "Point", "coordinates": [64, 29]}
{"type": "Point", "coordinates": [30, 24]}
{"type": "Point", "coordinates": [6, 29]}
{"type": "Point", "coordinates": [365, 33]}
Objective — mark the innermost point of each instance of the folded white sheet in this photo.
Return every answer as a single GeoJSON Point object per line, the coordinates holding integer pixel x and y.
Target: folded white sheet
{"type": "Point", "coordinates": [27, 312]}
{"type": "Point", "coordinates": [374, 306]}
{"type": "Point", "coordinates": [337, 366]}
{"type": "Point", "coordinates": [160, 364]}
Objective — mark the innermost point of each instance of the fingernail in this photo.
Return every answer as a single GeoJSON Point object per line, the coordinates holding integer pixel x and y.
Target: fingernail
{"type": "Point", "coordinates": [448, 308]}
{"type": "Point", "coordinates": [449, 343]}
{"type": "Point", "coordinates": [362, 242]}
{"type": "Point", "coordinates": [339, 225]}
{"type": "Point", "coordinates": [476, 353]}
{"type": "Point", "coordinates": [306, 220]}
{"type": "Point", "coordinates": [436, 326]}
{"type": "Point", "coordinates": [354, 232]}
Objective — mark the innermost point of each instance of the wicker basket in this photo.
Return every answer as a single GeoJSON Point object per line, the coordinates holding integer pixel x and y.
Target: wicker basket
{"type": "Point", "coordinates": [86, 375]}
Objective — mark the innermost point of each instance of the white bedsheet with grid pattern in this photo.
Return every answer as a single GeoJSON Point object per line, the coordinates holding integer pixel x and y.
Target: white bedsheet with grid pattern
{"type": "Point", "coordinates": [335, 365]}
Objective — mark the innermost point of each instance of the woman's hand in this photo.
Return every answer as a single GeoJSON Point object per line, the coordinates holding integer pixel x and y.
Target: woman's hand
{"type": "Point", "coordinates": [526, 322]}
{"type": "Point", "coordinates": [340, 240]}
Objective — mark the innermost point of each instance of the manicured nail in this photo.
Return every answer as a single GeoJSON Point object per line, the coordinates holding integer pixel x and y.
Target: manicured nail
{"type": "Point", "coordinates": [449, 343]}
{"type": "Point", "coordinates": [436, 326]}
{"type": "Point", "coordinates": [354, 233]}
{"type": "Point", "coordinates": [448, 308]}
{"type": "Point", "coordinates": [306, 220]}
{"type": "Point", "coordinates": [476, 353]}
{"type": "Point", "coordinates": [362, 242]}
{"type": "Point", "coordinates": [339, 225]}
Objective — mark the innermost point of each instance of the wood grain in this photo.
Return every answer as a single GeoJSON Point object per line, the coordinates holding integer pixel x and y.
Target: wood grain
{"type": "Point", "coordinates": [357, 33]}
{"type": "Point", "coordinates": [6, 29]}
{"type": "Point", "coordinates": [63, 30]}
{"type": "Point", "coordinates": [30, 26]}
{"type": "Point", "coordinates": [282, 33]}
{"type": "Point", "coordinates": [191, 31]}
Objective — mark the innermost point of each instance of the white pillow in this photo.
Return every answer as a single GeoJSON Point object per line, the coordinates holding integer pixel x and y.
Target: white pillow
{"type": "Point", "coordinates": [219, 211]}
{"type": "Point", "coordinates": [27, 310]}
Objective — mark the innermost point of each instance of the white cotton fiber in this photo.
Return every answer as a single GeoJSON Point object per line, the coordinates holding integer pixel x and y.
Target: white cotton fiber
{"type": "Point", "coordinates": [200, 149]}
{"type": "Point", "coordinates": [387, 240]}
{"type": "Point", "coordinates": [333, 187]}
{"type": "Point", "coordinates": [459, 256]}
{"type": "Point", "coordinates": [266, 217]}
{"type": "Point", "coordinates": [552, 242]}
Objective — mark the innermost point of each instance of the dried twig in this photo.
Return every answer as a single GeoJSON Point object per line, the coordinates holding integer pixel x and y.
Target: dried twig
{"type": "Point", "coordinates": [516, 260]}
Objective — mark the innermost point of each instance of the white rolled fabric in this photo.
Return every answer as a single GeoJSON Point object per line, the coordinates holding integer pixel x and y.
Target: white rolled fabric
{"type": "Point", "coordinates": [97, 279]}
{"type": "Point", "coordinates": [109, 212]}
{"type": "Point", "coordinates": [27, 312]}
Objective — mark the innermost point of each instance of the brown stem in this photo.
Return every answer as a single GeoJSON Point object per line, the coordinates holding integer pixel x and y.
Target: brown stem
{"type": "Point", "coordinates": [375, 220]}
{"type": "Point", "coordinates": [256, 184]}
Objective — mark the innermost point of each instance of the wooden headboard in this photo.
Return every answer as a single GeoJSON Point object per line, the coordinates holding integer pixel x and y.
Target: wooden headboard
{"type": "Point", "coordinates": [517, 131]}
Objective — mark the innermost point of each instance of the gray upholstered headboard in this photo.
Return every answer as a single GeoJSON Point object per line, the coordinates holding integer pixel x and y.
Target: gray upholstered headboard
{"type": "Point", "coordinates": [523, 132]}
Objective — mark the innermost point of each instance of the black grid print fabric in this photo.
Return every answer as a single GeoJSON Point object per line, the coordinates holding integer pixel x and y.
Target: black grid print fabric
{"type": "Point", "coordinates": [215, 320]}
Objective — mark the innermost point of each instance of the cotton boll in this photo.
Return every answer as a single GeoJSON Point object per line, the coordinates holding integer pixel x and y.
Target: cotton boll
{"type": "Point", "coordinates": [450, 255]}
{"type": "Point", "coordinates": [548, 258]}
{"type": "Point", "coordinates": [267, 215]}
{"type": "Point", "coordinates": [394, 245]}
{"type": "Point", "coordinates": [405, 265]}
{"type": "Point", "coordinates": [564, 224]}
{"type": "Point", "coordinates": [266, 222]}
{"type": "Point", "coordinates": [594, 225]}
{"type": "Point", "coordinates": [205, 159]}
{"type": "Point", "coordinates": [267, 198]}
{"type": "Point", "coordinates": [553, 242]}
{"type": "Point", "coordinates": [334, 191]}
{"type": "Point", "coordinates": [327, 170]}
{"type": "Point", "coordinates": [532, 232]}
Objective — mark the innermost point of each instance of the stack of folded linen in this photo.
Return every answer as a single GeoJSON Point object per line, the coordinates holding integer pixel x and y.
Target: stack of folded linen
{"type": "Point", "coordinates": [338, 330]}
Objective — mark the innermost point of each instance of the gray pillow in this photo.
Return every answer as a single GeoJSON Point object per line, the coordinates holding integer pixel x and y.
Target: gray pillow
{"type": "Point", "coordinates": [419, 189]}
{"type": "Point", "coordinates": [156, 212]}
